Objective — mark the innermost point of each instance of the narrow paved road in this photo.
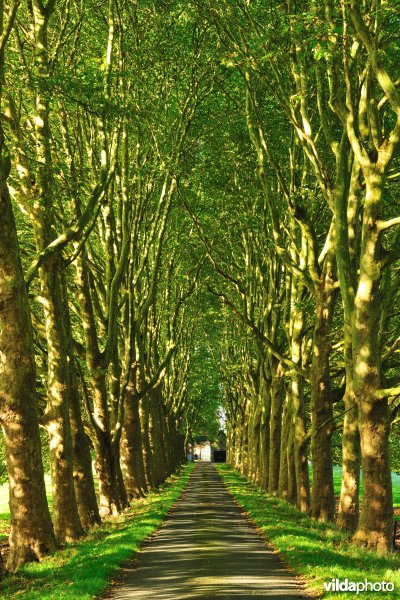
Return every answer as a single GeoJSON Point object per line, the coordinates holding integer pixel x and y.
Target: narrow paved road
{"type": "Point", "coordinates": [206, 549]}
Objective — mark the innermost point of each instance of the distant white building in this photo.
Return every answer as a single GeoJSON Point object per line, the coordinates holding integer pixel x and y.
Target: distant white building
{"type": "Point", "coordinates": [202, 449]}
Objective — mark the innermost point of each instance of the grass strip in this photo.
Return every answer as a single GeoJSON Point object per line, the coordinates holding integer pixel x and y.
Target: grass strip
{"type": "Point", "coordinates": [83, 570]}
{"type": "Point", "coordinates": [316, 551]}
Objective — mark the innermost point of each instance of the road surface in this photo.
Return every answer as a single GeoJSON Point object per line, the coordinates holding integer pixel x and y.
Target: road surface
{"type": "Point", "coordinates": [206, 549]}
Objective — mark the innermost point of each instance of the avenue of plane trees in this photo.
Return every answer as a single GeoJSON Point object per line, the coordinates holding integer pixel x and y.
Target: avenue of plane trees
{"type": "Point", "coordinates": [198, 206]}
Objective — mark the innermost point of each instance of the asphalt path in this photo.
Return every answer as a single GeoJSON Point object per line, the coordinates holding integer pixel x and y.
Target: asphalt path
{"type": "Point", "coordinates": [206, 549]}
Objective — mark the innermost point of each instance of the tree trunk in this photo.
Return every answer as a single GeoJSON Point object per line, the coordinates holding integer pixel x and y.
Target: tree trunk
{"type": "Point", "coordinates": [283, 461]}
{"type": "Point", "coordinates": [245, 439]}
{"type": "Point", "coordinates": [256, 444]}
{"type": "Point", "coordinates": [345, 204]}
{"type": "Point", "coordinates": [239, 437]}
{"type": "Point", "coordinates": [31, 535]}
{"type": "Point", "coordinates": [67, 525]}
{"type": "Point", "coordinates": [155, 440]}
{"type": "Point", "coordinates": [82, 466]}
{"type": "Point", "coordinates": [168, 433]}
{"type": "Point", "coordinates": [275, 429]}
{"type": "Point", "coordinates": [131, 446]}
{"type": "Point", "coordinates": [375, 527]}
{"type": "Point", "coordinates": [298, 433]}
{"type": "Point", "coordinates": [164, 436]}
{"type": "Point", "coordinates": [300, 448]}
{"type": "Point", "coordinates": [349, 494]}
{"type": "Point", "coordinates": [107, 475]}
{"type": "Point", "coordinates": [147, 454]}
{"type": "Point", "coordinates": [230, 441]}
{"type": "Point", "coordinates": [106, 466]}
{"type": "Point", "coordinates": [265, 399]}
{"type": "Point", "coordinates": [117, 469]}
{"type": "Point", "coordinates": [251, 439]}
{"type": "Point", "coordinates": [322, 499]}
{"type": "Point", "coordinates": [293, 471]}
{"type": "Point", "coordinates": [83, 474]}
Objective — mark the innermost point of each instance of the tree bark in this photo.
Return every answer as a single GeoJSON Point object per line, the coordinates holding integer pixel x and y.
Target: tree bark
{"type": "Point", "coordinates": [264, 449]}
{"type": "Point", "coordinates": [31, 535]}
{"type": "Point", "coordinates": [285, 436]}
{"type": "Point", "coordinates": [147, 454]}
{"type": "Point", "coordinates": [349, 493]}
{"type": "Point", "coordinates": [107, 475]}
{"type": "Point", "coordinates": [83, 474]}
{"type": "Point", "coordinates": [131, 446]}
{"type": "Point", "coordinates": [82, 461]}
{"type": "Point", "coordinates": [345, 204]}
{"type": "Point", "coordinates": [256, 444]}
{"type": "Point", "coordinates": [299, 434]}
{"type": "Point", "coordinates": [275, 428]}
{"type": "Point", "coordinates": [322, 499]}
{"type": "Point", "coordinates": [375, 527]}
{"type": "Point", "coordinates": [293, 472]}
{"type": "Point", "coordinates": [102, 437]}
{"type": "Point", "coordinates": [67, 525]}
{"type": "Point", "coordinates": [265, 400]}
{"type": "Point", "coordinates": [300, 460]}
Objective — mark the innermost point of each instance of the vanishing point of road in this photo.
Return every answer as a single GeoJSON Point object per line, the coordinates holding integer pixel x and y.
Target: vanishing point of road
{"type": "Point", "coordinates": [206, 549]}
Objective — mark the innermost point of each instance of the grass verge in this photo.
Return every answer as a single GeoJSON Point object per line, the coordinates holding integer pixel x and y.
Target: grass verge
{"type": "Point", "coordinates": [83, 570]}
{"type": "Point", "coordinates": [316, 551]}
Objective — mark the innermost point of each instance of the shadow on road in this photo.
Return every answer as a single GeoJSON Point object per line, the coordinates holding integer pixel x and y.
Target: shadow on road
{"type": "Point", "coordinates": [205, 550]}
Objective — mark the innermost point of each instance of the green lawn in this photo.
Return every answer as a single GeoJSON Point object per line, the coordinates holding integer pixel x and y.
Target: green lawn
{"type": "Point", "coordinates": [318, 552]}
{"type": "Point", "coordinates": [337, 479]}
{"type": "Point", "coordinates": [82, 570]}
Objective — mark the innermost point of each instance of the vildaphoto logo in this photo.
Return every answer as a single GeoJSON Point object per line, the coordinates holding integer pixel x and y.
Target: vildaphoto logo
{"type": "Point", "coordinates": [344, 585]}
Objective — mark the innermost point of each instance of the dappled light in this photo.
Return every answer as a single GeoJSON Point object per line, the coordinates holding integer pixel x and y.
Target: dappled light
{"type": "Point", "coordinates": [206, 550]}
{"type": "Point", "coordinates": [199, 264]}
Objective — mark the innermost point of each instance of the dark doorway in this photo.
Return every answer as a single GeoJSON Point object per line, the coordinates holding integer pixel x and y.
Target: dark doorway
{"type": "Point", "coordinates": [219, 456]}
